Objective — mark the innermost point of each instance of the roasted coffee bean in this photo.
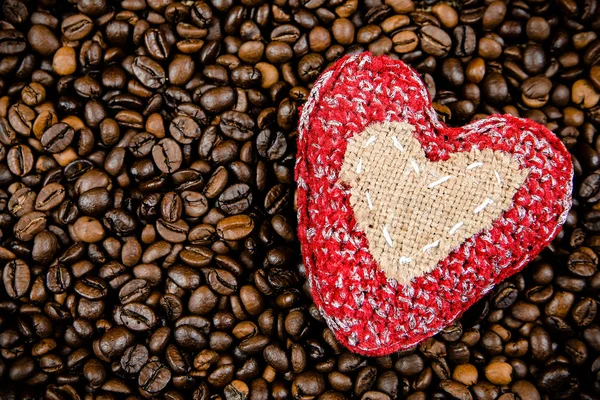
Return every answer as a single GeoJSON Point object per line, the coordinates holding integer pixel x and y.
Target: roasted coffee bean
{"type": "Point", "coordinates": [218, 99]}
{"type": "Point", "coordinates": [43, 40]}
{"type": "Point", "coordinates": [235, 199]}
{"type": "Point", "coordinates": [434, 40]}
{"type": "Point", "coordinates": [536, 91]}
{"type": "Point", "coordinates": [237, 125]}
{"type": "Point", "coordinates": [50, 196]}
{"type": "Point", "coordinates": [57, 138]}
{"type": "Point", "coordinates": [58, 278]}
{"type": "Point", "coordinates": [271, 145]}
{"type": "Point", "coordinates": [157, 44]}
{"type": "Point", "coordinates": [22, 202]}
{"type": "Point", "coordinates": [134, 359]}
{"type": "Point", "coordinates": [235, 227]}
{"type": "Point", "coordinates": [185, 277]}
{"type": "Point", "coordinates": [149, 72]}
{"type": "Point", "coordinates": [173, 232]}
{"type": "Point", "coordinates": [94, 201]}
{"type": "Point", "coordinates": [119, 222]}
{"type": "Point", "coordinates": [45, 247]}
{"type": "Point", "coordinates": [184, 129]}
{"type": "Point", "coordinates": [33, 94]}
{"type": "Point", "coordinates": [222, 281]}
{"type": "Point", "coordinates": [91, 287]}
{"type": "Point", "coordinates": [141, 144]}
{"type": "Point", "coordinates": [20, 160]}
{"type": "Point", "coordinates": [30, 225]}
{"type": "Point", "coordinates": [154, 377]}
{"type": "Point", "coordinates": [12, 42]}
{"type": "Point", "coordinates": [277, 198]}
{"type": "Point", "coordinates": [195, 204]}
{"type": "Point", "coordinates": [466, 40]}
{"type": "Point", "coordinates": [167, 155]}
{"type": "Point", "coordinates": [136, 290]}
{"type": "Point", "coordinates": [88, 229]}
{"type": "Point", "coordinates": [21, 118]}
{"type": "Point", "coordinates": [76, 27]}
{"type": "Point", "coordinates": [16, 277]}
{"type": "Point", "coordinates": [136, 316]}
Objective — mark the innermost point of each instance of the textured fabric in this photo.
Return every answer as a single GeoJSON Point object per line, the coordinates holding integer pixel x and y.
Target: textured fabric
{"type": "Point", "coordinates": [370, 313]}
{"type": "Point", "coordinates": [413, 211]}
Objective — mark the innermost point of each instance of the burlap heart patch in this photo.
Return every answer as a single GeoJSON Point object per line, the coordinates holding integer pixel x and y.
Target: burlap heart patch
{"type": "Point", "coordinates": [404, 222]}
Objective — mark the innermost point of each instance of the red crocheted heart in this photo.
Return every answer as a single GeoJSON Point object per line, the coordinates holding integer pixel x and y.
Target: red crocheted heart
{"type": "Point", "coordinates": [369, 312]}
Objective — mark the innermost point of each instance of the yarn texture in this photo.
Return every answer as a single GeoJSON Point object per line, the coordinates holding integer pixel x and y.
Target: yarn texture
{"type": "Point", "coordinates": [449, 213]}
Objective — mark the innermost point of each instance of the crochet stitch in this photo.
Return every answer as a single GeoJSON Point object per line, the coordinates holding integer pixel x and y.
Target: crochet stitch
{"type": "Point", "coordinates": [369, 311]}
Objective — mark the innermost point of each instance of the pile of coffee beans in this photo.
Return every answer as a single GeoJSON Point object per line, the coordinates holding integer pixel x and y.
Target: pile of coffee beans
{"type": "Point", "coordinates": [147, 223]}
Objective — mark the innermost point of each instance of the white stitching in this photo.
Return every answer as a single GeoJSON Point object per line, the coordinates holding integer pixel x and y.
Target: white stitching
{"type": "Point", "coordinates": [483, 205]}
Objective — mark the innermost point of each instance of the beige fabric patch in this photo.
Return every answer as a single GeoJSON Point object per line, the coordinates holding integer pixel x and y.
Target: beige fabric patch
{"type": "Point", "coordinates": [415, 212]}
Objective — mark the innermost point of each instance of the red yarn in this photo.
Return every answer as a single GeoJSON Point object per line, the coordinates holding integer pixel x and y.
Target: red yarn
{"type": "Point", "coordinates": [369, 313]}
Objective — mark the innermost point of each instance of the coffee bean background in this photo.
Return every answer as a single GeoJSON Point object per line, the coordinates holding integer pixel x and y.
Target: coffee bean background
{"type": "Point", "coordinates": [147, 223]}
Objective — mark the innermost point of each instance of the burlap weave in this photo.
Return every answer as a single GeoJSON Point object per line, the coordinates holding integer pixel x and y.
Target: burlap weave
{"type": "Point", "coordinates": [414, 212]}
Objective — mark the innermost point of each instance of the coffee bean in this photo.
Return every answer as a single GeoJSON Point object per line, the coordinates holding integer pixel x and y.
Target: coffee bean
{"type": "Point", "coordinates": [537, 29]}
{"type": "Point", "coordinates": [434, 41]}
{"type": "Point", "coordinates": [64, 61]}
{"type": "Point", "coordinates": [167, 155]}
{"type": "Point", "coordinates": [119, 222]}
{"type": "Point", "coordinates": [57, 138]}
{"type": "Point", "coordinates": [557, 378]}
{"type": "Point", "coordinates": [184, 129]}
{"type": "Point", "coordinates": [157, 44]}
{"type": "Point", "coordinates": [277, 198]}
{"type": "Point", "coordinates": [88, 229]}
{"type": "Point", "coordinates": [237, 125]}
{"type": "Point", "coordinates": [76, 27]}
{"type": "Point", "coordinates": [185, 277]}
{"type": "Point", "coordinates": [16, 277]}
{"type": "Point", "coordinates": [50, 196]}
{"type": "Point", "coordinates": [45, 247]}
{"type": "Point", "coordinates": [154, 377]}
{"type": "Point", "coordinates": [21, 118]}
{"type": "Point", "coordinates": [20, 160]}
{"type": "Point", "coordinates": [141, 144]}
{"type": "Point", "coordinates": [91, 287]}
{"type": "Point", "coordinates": [43, 40]}
{"type": "Point", "coordinates": [30, 225]}
{"type": "Point", "coordinates": [583, 262]}
{"type": "Point", "coordinates": [136, 316]}
{"type": "Point", "coordinates": [195, 204]}
{"type": "Point", "coordinates": [12, 42]}
{"type": "Point", "coordinates": [136, 290]}
{"type": "Point", "coordinates": [134, 359]}
{"type": "Point", "coordinates": [173, 232]}
{"type": "Point", "coordinates": [535, 91]}
{"type": "Point", "coordinates": [218, 99]}
{"type": "Point", "coordinates": [149, 72]}
{"type": "Point", "coordinates": [308, 384]}
{"type": "Point", "coordinates": [58, 278]}
{"type": "Point", "coordinates": [499, 373]}
{"type": "Point", "coordinates": [115, 341]}
{"type": "Point", "coordinates": [584, 312]}
{"type": "Point", "coordinates": [310, 66]}
{"type": "Point", "coordinates": [235, 227]}
{"type": "Point", "coordinates": [235, 199]}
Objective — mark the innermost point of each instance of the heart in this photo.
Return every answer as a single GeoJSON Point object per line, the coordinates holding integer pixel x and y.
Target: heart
{"type": "Point", "coordinates": [413, 211]}
{"type": "Point", "coordinates": [403, 222]}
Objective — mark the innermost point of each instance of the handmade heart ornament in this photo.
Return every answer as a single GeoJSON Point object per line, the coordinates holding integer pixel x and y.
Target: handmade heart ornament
{"type": "Point", "coordinates": [404, 223]}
